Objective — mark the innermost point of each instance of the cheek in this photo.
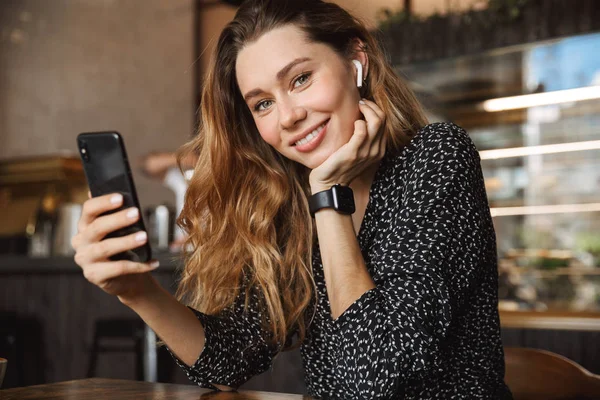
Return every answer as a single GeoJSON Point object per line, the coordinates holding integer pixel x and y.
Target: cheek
{"type": "Point", "coordinates": [328, 93]}
{"type": "Point", "coordinates": [345, 105]}
{"type": "Point", "coordinates": [335, 95]}
{"type": "Point", "coordinates": [268, 131]}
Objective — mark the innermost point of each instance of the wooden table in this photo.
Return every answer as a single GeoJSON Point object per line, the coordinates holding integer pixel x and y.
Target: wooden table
{"type": "Point", "coordinates": [116, 389]}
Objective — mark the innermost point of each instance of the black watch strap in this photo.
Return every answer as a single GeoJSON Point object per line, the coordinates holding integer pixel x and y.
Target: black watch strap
{"type": "Point", "coordinates": [338, 197]}
{"type": "Point", "coordinates": [319, 201]}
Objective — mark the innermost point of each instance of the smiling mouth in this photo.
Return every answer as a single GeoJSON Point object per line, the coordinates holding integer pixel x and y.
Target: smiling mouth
{"type": "Point", "coordinates": [312, 135]}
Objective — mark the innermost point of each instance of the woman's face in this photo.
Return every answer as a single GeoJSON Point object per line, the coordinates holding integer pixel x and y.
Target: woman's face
{"type": "Point", "coordinates": [296, 88]}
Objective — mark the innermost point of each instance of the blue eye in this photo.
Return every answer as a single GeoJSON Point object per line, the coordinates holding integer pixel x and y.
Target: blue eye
{"type": "Point", "coordinates": [302, 79]}
{"type": "Point", "coordinates": [261, 104]}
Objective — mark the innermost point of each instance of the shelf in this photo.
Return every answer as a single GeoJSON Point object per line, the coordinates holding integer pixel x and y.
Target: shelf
{"type": "Point", "coordinates": [552, 320]}
{"type": "Point", "coordinates": [21, 264]}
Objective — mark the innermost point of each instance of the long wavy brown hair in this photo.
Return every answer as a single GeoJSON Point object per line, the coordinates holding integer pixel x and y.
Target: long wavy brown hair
{"type": "Point", "coordinates": [246, 211]}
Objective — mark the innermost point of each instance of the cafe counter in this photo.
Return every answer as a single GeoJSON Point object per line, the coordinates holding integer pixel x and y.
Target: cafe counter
{"type": "Point", "coordinates": [56, 310]}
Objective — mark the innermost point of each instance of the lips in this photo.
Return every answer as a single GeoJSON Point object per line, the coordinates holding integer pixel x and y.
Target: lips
{"type": "Point", "coordinates": [315, 142]}
{"type": "Point", "coordinates": [306, 133]}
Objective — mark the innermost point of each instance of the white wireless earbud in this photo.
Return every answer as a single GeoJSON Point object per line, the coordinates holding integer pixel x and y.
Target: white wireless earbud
{"type": "Point", "coordinates": [359, 72]}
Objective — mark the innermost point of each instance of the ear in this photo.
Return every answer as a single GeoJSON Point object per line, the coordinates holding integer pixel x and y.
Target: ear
{"type": "Point", "coordinates": [360, 54]}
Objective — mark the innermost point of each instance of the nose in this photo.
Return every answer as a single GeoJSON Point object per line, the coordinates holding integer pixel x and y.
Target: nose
{"type": "Point", "coordinates": [290, 114]}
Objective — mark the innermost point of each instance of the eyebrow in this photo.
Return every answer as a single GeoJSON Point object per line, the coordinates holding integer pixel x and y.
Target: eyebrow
{"type": "Point", "coordinates": [280, 75]}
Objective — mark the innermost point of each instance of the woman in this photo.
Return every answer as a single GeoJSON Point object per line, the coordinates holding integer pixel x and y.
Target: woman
{"type": "Point", "coordinates": [391, 292]}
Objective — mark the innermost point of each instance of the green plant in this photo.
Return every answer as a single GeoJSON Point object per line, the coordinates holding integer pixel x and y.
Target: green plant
{"type": "Point", "coordinates": [496, 11]}
{"type": "Point", "coordinates": [510, 9]}
{"type": "Point", "coordinates": [547, 263]}
{"type": "Point", "coordinates": [531, 237]}
{"type": "Point", "coordinates": [589, 243]}
{"type": "Point", "coordinates": [387, 17]}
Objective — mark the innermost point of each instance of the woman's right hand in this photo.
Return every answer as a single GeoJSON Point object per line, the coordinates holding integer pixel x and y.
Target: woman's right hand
{"type": "Point", "coordinates": [125, 279]}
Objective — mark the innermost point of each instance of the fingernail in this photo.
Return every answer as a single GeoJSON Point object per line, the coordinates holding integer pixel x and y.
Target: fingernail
{"type": "Point", "coordinates": [141, 237]}
{"type": "Point", "coordinates": [154, 264]}
{"type": "Point", "coordinates": [361, 102]}
{"type": "Point", "coordinates": [133, 213]}
{"type": "Point", "coordinates": [116, 199]}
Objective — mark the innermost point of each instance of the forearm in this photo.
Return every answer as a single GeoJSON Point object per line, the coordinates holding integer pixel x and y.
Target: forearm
{"type": "Point", "coordinates": [220, 350]}
{"type": "Point", "coordinates": [346, 275]}
{"type": "Point", "coordinates": [172, 322]}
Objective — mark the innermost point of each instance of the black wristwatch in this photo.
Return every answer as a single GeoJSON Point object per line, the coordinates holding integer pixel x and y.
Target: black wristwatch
{"type": "Point", "coordinates": [338, 197]}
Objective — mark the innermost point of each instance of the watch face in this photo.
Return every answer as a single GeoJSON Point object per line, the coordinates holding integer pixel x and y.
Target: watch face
{"type": "Point", "coordinates": [343, 199]}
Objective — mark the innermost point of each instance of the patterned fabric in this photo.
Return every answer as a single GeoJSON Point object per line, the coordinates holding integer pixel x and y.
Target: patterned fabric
{"type": "Point", "coordinates": [430, 328]}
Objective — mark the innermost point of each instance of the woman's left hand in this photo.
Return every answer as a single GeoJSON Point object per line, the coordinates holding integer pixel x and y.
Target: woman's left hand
{"type": "Point", "coordinates": [365, 148]}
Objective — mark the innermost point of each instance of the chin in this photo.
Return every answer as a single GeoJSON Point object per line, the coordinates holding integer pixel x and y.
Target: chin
{"type": "Point", "coordinates": [317, 161]}
{"type": "Point", "coordinates": [312, 161]}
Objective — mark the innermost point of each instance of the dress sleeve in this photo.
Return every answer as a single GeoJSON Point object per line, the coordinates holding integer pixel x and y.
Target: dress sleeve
{"type": "Point", "coordinates": [432, 256]}
{"type": "Point", "coordinates": [235, 348]}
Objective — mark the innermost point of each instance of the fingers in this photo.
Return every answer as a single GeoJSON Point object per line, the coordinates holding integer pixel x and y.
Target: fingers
{"type": "Point", "coordinates": [106, 248]}
{"type": "Point", "coordinates": [104, 225]}
{"type": "Point", "coordinates": [373, 106]}
{"type": "Point", "coordinates": [93, 207]}
{"type": "Point", "coordinates": [101, 272]}
{"type": "Point", "coordinates": [366, 142]}
{"type": "Point", "coordinates": [360, 136]}
{"type": "Point", "coordinates": [365, 147]}
{"type": "Point", "coordinates": [92, 228]}
{"type": "Point", "coordinates": [374, 116]}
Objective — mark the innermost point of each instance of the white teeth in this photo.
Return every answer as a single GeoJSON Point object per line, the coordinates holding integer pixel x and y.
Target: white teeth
{"type": "Point", "coordinates": [310, 136]}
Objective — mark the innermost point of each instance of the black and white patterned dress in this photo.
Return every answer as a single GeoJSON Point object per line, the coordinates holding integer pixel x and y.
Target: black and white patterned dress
{"type": "Point", "coordinates": [430, 328]}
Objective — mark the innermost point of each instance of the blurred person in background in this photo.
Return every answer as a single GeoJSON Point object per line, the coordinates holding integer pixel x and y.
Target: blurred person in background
{"type": "Point", "coordinates": [164, 168]}
{"type": "Point", "coordinates": [324, 212]}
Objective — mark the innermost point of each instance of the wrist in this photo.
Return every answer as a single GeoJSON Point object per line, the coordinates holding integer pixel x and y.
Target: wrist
{"type": "Point", "coordinates": [148, 289]}
{"type": "Point", "coordinates": [337, 197]}
{"type": "Point", "coordinates": [319, 187]}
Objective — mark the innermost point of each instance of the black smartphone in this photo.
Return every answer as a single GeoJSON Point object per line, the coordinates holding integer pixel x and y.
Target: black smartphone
{"type": "Point", "coordinates": [107, 171]}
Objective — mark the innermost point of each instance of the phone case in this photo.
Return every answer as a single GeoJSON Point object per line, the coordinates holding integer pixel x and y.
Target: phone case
{"type": "Point", "coordinates": [107, 171]}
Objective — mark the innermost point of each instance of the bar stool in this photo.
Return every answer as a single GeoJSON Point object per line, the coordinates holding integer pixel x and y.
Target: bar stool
{"type": "Point", "coordinates": [142, 345]}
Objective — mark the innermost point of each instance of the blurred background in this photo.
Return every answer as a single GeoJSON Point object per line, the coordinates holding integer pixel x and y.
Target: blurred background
{"type": "Point", "coordinates": [521, 76]}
